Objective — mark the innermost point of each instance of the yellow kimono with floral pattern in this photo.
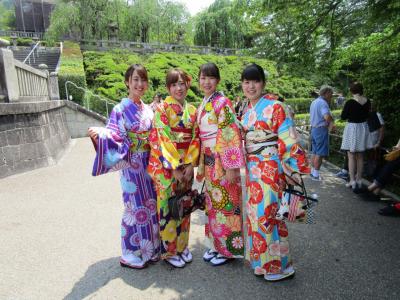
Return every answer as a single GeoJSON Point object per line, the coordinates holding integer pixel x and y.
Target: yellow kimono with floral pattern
{"type": "Point", "coordinates": [174, 142]}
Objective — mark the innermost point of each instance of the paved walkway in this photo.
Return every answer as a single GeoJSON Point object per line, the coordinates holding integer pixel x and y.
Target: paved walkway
{"type": "Point", "coordinates": [59, 231]}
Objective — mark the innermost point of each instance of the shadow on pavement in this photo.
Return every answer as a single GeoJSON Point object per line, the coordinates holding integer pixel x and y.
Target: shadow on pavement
{"type": "Point", "coordinates": [197, 280]}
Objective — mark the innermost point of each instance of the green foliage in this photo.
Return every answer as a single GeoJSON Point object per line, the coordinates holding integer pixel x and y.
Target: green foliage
{"type": "Point", "coordinates": [105, 71]}
{"type": "Point", "coordinates": [20, 41]}
{"type": "Point", "coordinates": [304, 118]}
{"type": "Point", "coordinates": [7, 16]}
{"type": "Point", "coordinates": [300, 105]}
{"type": "Point", "coordinates": [24, 41]}
{"type": "Point", "coordinates": [375, 61]}
{"type": "Point", "coordinates": [105, 74]}
{"type": "Point", "coordinates": [221, 25]}
{"type": "Point", "coordinates": [140, 20]}
{"type": "Point", "coordinates": [71, 69]}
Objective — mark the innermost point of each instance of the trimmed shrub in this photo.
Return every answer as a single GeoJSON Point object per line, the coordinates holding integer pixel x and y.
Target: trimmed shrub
{"type": "Point", "coordinates": [24, 41]}
{"type": "Point", "coordinates": [20, 41]}
{"type": "Point", "coordinates": [105, 70]}
{"type": "Point", "coordinates": [71, 69]}
{"type": "Point", "coordinates": [300, 105]}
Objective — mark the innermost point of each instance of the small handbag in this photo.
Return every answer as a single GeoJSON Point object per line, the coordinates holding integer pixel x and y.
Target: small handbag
{"type": "Point", "coordinates": [296, 206]}
{"type": "Point", "coordinates": [183, 204]}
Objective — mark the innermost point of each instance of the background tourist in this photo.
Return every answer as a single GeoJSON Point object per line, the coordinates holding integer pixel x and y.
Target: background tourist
{"type": "Point", "coordinates": [157, 99]}
{"type": "Point", "coordinates": [321, 123]}
{"type": "Point", "coordinates": [356, 135]}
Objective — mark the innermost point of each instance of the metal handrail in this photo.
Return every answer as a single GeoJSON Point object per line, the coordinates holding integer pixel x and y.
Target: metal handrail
{"type": "Point", "coordinates": [30, 53]}
{"type": "Point", "coordinates": [107, 101]}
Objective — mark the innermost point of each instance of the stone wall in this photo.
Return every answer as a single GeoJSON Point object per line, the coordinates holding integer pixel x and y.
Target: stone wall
{"type": "Point", "coordinates": [79, 119]}
{"type": "Point", "coordinates": [32, 135]}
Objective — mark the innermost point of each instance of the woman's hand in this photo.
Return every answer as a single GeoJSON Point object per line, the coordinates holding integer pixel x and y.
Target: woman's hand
{"type": "Point", "coordinates": [178, 174]}
{"type": "Point", "coordinates": [231, 175]}
{"type": "Point", "coordinates": [94, 136]}
{"type": "Point", "coordinates": [294, 179]}
{"type": "Point", "coordinates": [188, 173]}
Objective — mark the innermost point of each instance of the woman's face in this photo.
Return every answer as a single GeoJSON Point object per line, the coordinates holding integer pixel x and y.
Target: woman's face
{"type": "Point", "coordinates": [253, 89]}
{"type": "Point", "coordinates": [178, 90]}
{"type": "Point", "coordinates": [208, 84]}
{"type": "Point", "coordinates": [137, 86]}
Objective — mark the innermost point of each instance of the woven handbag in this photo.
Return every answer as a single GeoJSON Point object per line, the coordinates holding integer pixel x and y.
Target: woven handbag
{"type": "Point", "coordinates": [295, 205]}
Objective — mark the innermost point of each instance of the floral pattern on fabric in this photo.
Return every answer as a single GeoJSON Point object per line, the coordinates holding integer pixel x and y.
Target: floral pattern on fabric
{"type": "Point", "coordinates": [123, 146]}
{"type": "Point", "coordinates": [174, 142]}
{"type": "Point", "coordinates": [267, 246]}
{"type": "Point", "coordinates": [221, 150]}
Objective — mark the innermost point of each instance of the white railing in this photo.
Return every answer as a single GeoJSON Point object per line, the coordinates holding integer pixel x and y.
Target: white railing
{"type": "Point", "coordinates": [23, 83]}
{"type": "Point", "coordinates": [22, 34]}
{"type": "Point", "coordinates": [86, 100]}
{"type": "Point", "coordinates": [32, 53]}
{"type": "Point", "coordinates": [32, 83]}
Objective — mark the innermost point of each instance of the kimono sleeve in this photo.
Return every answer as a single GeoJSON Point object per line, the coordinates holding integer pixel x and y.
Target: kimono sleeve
{"type": "Point", "coordinates": [112, 149]}
{"type": "Point", "coordinates": [170, 157]}
{"type": "Point", "coordinates": [291, 154]}
{"type": "Point", "coordinates": [229, 140]}
{"type": "Point", "coordinates": [193, 152]}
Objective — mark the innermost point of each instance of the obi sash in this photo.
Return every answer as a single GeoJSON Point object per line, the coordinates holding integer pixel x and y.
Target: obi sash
{"type": "Point", "coordinates": [208, 138]}
{"type": "Point", "coordinates": [140, 141]}
{"type": "Point", "coordinates": [184, 135]}
{"type": "Point", "coordinates": [256, 141]}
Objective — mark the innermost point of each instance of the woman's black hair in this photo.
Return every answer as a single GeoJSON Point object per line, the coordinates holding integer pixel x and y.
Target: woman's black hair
{"type": "Point", "coordinates": [141, 71]}
{"type": "Point", "coordinates": [253, 72]}
{"type": "Point", "coordinates": [356, 88]}
{"type": "Point", "coordinates": [209, 69]}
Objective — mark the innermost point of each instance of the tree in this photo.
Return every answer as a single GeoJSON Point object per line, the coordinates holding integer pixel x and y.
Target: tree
{"type": "Point", "coordinates": [222, 25]}
{"type": "Point", "coordinates": [375, 61]}
{"type": "Point", "coordinates": [7, 16]}
{"type": "Point", "coordinates": [140, 20]}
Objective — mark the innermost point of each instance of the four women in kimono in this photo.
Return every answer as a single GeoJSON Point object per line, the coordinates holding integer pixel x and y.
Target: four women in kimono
{"type": "Point", "coordinates": [176, 139]}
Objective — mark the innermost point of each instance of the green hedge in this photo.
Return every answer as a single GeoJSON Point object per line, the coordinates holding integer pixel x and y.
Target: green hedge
{"type": "Point", "coordinates": [20, 41]}
{"type": "Point", "coordinates": [105, 70]}
{"type": "Point", "coordinates": [302, 119]}
{"type": "Point", "coordinates": [300, 105]}
{"type": "Point", "coordinates": [71, 69]}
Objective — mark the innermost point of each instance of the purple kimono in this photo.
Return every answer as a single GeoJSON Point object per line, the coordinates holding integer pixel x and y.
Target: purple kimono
{"type": "Point", "coordinates": [123, 145]}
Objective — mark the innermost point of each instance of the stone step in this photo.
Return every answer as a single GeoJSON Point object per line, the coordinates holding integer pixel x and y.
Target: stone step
{"type": "Point", "coordinates": [49, 57]}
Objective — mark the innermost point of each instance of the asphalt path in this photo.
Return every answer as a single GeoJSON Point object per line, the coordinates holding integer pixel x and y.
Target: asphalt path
{"type": "Point", "coordinates": [60, 228]}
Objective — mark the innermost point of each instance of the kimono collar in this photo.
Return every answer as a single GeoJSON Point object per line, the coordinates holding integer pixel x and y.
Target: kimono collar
{"type": "Point", "coordinates": [128, 101]}
{"type": "Point", "coordinates": [264, 97]}
{"type": "Point", "coordinates": [212, 97]}
{"type": "Point", "coordinates": [171, 100]}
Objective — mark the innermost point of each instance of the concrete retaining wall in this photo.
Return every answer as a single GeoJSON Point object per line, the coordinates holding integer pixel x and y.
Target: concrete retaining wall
{"type": "Point", "coordinates": [80, 119]}
{"type": "Point", "coordinates": [32, 135]}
